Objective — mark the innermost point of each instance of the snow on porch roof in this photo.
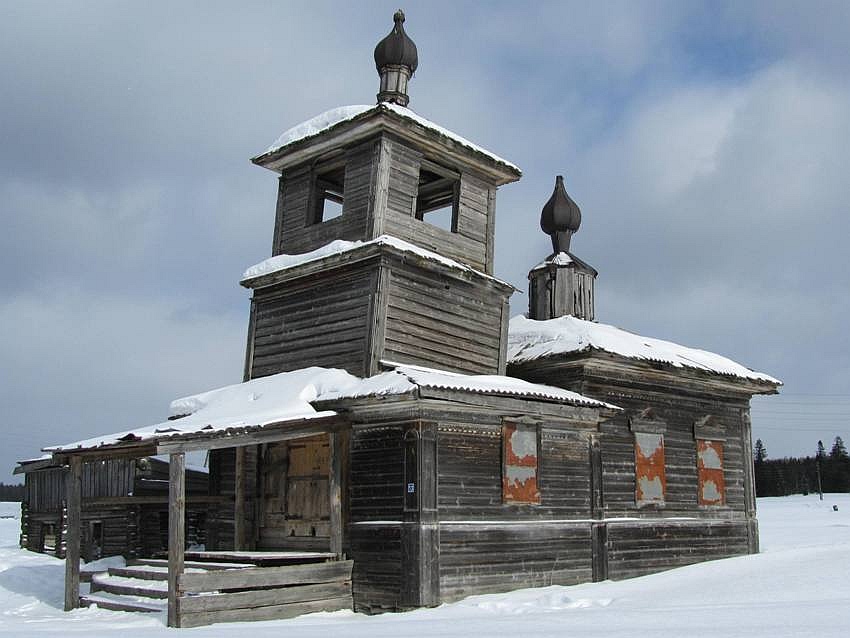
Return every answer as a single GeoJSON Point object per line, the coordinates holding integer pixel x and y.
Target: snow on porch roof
{"type": "Point", "coordinates": [529, 339]}
{"type": "Point", "coordinates": [406, 378]}
{"type": "Point", "coordinates": [288, 396]}
{"type": "Point", "coordinates": [281, 397]}
{"type": "Point", "coordinates": [280, 263]}
{"type": "Point", "coordinates": [333, 117]}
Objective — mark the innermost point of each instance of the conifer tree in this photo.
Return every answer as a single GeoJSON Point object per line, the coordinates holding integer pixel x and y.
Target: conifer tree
{"type": "Point", "coordinates": [759, 452]}
{"type": "Point", "coordinates": [838, 450]}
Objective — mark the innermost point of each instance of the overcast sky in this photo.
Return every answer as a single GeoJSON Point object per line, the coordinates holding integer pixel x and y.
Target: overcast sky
{"type": "Point", "coordinates": [708, 146]}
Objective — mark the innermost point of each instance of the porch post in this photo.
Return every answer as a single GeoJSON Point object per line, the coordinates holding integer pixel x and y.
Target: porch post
{"type": "Point", "coordinates": [176, 532]}
{"type": "Point", "coordinates": [239, 500]}
{"type": "Point", "coordinates": [335, 489]}
{"type": "Point", "coordinates": [73, 497]}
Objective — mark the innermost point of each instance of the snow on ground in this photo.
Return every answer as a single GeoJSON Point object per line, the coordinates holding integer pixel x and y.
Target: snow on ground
{"type": "Point", "coordinates": [798, 586]}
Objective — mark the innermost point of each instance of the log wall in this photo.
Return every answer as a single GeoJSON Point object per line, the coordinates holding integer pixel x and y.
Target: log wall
{"type": "Point", "coordinates": [636, 549]}
{"type": "Point", "coordinates": [315, 322]}
{"type": "Point", "coordinates": [294, 231]}
{"type": "Point", "coordinates": [444, 323]}
{"type": "Point", "coordinates": [469, 245]}
{"type": "Point", "coordinates": [376, 503]}
{"type": "Point", "coordinates": [220, 518]}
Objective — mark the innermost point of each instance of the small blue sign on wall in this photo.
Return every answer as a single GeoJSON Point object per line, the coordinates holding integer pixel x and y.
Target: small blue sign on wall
{"type": "Point", "coordinates": [411, 488]}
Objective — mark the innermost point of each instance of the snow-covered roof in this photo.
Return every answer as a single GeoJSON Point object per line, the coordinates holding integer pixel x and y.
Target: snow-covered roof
{"type": "Point", "coordinates": [280, 263]}
{"type": "Point", "coordinates": [281, 397]}
{"type": "Point", "coordinates": [341, 114]}
{"type": "Point", "coordinates": [529, 339]}
{"type": "Point", "coordinates": [288, 396]}
{"type": "Point", "coordinates": [405, 378]}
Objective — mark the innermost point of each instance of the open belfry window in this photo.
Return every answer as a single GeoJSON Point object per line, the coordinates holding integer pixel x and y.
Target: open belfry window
{"type": "Point", "coordinates": [712, 486]}
{"type": "Point", "coordinates": [650, 474]}
{"type": "Point", "coordinates": [437, 196]}
{"type": "Point", "coordinates": [520, 463]}
{"type": "Point", "coordinates": [328, 192]}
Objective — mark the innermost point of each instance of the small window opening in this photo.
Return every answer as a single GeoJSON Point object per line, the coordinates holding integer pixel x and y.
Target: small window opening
{"type": "Point", "coordinates": [95, 550]}
{"type": "Point", "coordinates": [329, 194]}
{"type": "Point", "coordinates": [437, 196]}
{"type": "Point", "coordinates": [48, 538]}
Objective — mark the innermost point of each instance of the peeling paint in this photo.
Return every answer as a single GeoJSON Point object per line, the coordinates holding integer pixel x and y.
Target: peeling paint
{"type": "Point", "coordinates": [709, 456]}
{"type": "Point", "coordinates": [649, 444]}
{"type": "Point", "coordinates": [650, 477]}
{"type": "Point", "coordinates": [709, 493]}
{"type": "Point", "coordinates": [524, 443]}
{"type": "Point", "coordinates": [519, 471]}
{"type": "Point", "coordinates": [712, 486]}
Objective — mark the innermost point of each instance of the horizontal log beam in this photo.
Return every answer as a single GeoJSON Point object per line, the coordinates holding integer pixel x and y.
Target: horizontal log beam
{"type": "Point", "coordinates": [267, 577]}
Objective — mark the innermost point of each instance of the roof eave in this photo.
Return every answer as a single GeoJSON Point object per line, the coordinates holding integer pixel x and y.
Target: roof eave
{"type": "Point", "coordinates": [382, 119]}
{"type": "Point", "coordinates": [365, 252]}
{"type": "Point", "coordinates": [749, 385]}
{"type": "Point", "coordinates": [236, 436]}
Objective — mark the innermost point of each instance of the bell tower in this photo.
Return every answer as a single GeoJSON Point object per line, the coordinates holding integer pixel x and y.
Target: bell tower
{"type": "Point", "coordinates": [411, 207]}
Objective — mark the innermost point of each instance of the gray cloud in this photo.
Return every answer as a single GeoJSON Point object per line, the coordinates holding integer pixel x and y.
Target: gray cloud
{"type": "Point", "coordinates": [705, 144]}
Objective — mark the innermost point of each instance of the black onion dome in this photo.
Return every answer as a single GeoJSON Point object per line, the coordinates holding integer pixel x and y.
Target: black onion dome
{"type": "Point", "coordinates": [561, 217]}
{"type": "Point", "coordinates": [560, 213]}
{"type": "Point", "coordinates": [397, 48]}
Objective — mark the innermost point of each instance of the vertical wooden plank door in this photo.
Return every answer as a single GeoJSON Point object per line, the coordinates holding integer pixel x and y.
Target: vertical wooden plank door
{"type": "Point", "coordinates": [296, 503]}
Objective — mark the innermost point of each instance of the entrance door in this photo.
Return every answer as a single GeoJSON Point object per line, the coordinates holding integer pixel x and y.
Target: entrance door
{"type": "Point", "coordinates": [296, 504]}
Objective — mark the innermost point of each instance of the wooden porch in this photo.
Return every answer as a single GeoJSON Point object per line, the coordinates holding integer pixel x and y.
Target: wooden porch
{"type": "Point", "coordinates": [271, 585]}
{"type": "Point", "coordinates": [199, 588]}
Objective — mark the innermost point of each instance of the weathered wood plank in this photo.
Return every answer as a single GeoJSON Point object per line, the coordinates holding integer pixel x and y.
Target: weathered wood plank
{"type": "Point", "coordinates": [265, 597]}
{"type": "Point", "coordinates": [335, 480]}
{"type": "Point", "coordinates": [267, 576]}
{"type": "Point", "coordinates": [271, 612]}
{"type": "Point", "coordinates": [72, 540]}
{"type": "Point", "coordinates": [176, 532]}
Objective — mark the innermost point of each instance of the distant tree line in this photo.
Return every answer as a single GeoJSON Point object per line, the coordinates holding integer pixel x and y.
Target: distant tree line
{"type": "Point", "coordinates": [11, 492]}
{"type": "Point", "coordinates": [825, 471]}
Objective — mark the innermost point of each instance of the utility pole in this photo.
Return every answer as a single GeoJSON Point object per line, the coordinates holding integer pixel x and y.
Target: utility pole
{"type": "Point", "coordinates": [820, 487]}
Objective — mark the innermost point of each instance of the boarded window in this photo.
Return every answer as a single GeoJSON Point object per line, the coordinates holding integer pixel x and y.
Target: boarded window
{"type": "Point", "coordinates": [650, 479]}
{"type": "Point", "coordinates": [519, 463]}
{"type": "Point", "coordinates": [712, 487]}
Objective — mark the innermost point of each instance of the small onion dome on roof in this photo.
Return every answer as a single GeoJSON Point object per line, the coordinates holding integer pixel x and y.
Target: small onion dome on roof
{"type": "Point", "coordinates": [396, 60]}
{"type": "Point", "coordinates": [397, 48]}
{"type": "Point", "coordinates": [560, 218]}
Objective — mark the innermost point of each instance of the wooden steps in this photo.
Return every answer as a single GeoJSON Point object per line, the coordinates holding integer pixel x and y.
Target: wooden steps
{"type": "Point", "coordinates": [143, 587]}
{"type": "Point", "coordinates": [189, 564]}
{"type": "Point", "coordinates": [226, 592]}
{"type": "Point", "coordinates": [116, 602]}
{"type": "Point", "coordinates": [155, 572]}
